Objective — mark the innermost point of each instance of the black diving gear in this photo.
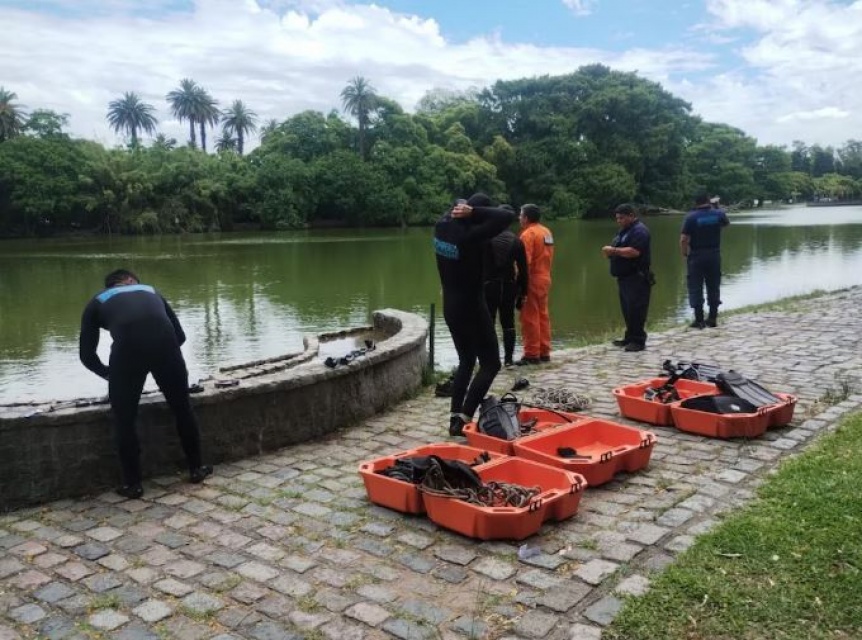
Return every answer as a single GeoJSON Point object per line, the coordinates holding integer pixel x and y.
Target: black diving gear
{"type": "Point", "coordinates": [459, 245]}
{"type": "Point", "coordinates": [737, 385]}
{"type": "Point", "coordinates": [147, 339]}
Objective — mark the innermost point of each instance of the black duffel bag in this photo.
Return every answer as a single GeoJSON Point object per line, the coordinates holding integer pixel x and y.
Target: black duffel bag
{"type": "Point", "coordinates": [718, 404]}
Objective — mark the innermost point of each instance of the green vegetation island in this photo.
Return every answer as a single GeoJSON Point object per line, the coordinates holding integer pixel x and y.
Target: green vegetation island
{"type": "Point", "coordinates": [575, 144]}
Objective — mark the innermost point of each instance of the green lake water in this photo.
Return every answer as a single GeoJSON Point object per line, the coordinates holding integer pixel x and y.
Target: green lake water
{"type": "Point", "coordinates": [248, 296]}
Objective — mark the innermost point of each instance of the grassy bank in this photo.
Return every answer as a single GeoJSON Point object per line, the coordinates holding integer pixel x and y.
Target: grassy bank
{"type": "Point", "coordinates": [789, 566]}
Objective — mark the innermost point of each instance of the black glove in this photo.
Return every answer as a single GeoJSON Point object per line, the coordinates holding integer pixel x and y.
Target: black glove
{"type": "Point", "coordinates": [519, 302]}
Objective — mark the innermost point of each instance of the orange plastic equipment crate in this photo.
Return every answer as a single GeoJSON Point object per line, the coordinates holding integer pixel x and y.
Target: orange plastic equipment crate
{"type": "Point", "coordinates": [780, 415]}
{"type": "Point", "coordinates": [559, 499]}
{"type": "Point", "coordinates": [723, 425]}
{"type": "Point", "coordinates": [405, 496]}
{"type": "Point", "coordinates": [611, 448]}
{"type": "Point", "coordinates": [634, 406]}
{"type": "Point", "coordinates": [546, 420]}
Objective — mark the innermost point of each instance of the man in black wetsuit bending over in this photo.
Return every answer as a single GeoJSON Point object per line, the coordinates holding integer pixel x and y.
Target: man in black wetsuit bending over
{"type": "Point", "coordinates": [459, 242]}
{"type": "Point", "coordinates": [147, 338]}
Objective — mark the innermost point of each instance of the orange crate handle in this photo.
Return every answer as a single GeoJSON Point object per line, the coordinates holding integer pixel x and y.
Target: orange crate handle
{"type": "Point", "coordinates": [535, 505]}
{"type": "Point", "coordinates": [576, 487]}
{"type": "Point", "coordinates": [606, 456]}
{"type": "Point", "coordinates": [647, 442]}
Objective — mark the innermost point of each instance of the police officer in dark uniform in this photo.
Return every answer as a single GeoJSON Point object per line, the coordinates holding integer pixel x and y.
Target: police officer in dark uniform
{"type": "Point", "coordinates": [460, 237]}
{"type": "Point", "coordinates": [629, 256]}
{"type": "Point", "coordinates": [147, 338]}
{"type": "Point", "coordinates": [700, 245]}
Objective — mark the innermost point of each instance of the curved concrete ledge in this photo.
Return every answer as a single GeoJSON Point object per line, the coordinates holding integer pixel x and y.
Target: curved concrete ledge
{"type": "Point", "coordinates": [70, 451]}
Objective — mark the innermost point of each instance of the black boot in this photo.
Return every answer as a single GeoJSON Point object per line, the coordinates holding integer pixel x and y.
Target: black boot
{"type": "Point", "coordinates": [712, 318]}
{"type": "Point", "coordinates": [131, 491]}
{"type": "Point", "coordinates": [199, 474]}
{"type": "Point", "coordinates": [698, 322]}
{"type": "Point", "coordinates": [508, 347]}
{"type": "Point", "coordinates": [456, 425]}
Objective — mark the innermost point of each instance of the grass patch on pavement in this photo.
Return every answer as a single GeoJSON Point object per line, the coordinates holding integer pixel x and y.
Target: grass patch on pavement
{"type": "Point", "coordinates": [788, 566]}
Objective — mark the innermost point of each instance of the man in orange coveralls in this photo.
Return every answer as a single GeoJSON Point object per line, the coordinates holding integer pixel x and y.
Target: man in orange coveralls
{"type": "Point", "coordinates": [535, 321]}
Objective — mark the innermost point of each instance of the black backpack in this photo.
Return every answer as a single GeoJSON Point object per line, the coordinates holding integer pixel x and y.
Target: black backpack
{"type": "Point", "coordinates": [499, 418]}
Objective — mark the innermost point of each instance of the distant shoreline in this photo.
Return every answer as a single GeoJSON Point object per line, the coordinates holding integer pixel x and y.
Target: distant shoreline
{"type": "Point", "coordinates": [843, 203]}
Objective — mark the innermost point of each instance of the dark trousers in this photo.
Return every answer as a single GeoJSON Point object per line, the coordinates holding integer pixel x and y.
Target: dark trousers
{"type": "Point", "coordinates": [475, 339]}
{"type": "Point", "coordinates": [704, 268]}
{"type": "Point", "coordinates": [500, 296]}
{"type": "Point", "coordinates": [634, 301]}
{"type": "Point", "coordinates": [128, 371]}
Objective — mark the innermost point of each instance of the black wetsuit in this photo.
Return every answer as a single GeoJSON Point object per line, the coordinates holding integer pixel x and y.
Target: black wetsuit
{"type": "Point", "coordinates": [504, 284]}
{"type": "Point", "coordinates": [459, 244]}
{"type": "Point", "coordinates": [147, 338]}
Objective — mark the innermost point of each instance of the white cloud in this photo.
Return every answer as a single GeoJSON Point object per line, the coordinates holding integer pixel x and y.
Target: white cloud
{"type": "Point", "coordinates": [279, 57]}
{"type": "Point", "coordinates": [580, 7]}
{"type": "Point", "coordinates": [793, 77]}
{"type": "Point", "coordinates": [818, 114]}
{"type": "Point", "coordinates": [800, 79]}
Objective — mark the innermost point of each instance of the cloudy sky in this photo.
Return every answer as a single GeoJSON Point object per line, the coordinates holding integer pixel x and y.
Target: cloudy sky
{"type": "Point", "coordinates": [779, 69]}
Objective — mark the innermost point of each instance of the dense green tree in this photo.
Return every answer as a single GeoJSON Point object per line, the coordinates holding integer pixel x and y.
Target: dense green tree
{"type": "Point", "coordinates": [283, 192]}
{"type": "Point", "coordinates": [772, 176]}
{"type": "Point", "coordinates": [721, 159]}
{"type": "Point", "coordinates": [801, 186]}
{"type": "Point", "coordinates": [800, 158]}
{"type": "Point", "coordinates": [359, 98]}
{"type": "Point", "coordinates": [851, 158]}
{"type": "Point", "coordinates": [39, 190]}
{"type": "Point", "coordinates": [44, 123]}
{"type": "Point", "coordinates": [11, 115]}
{"type": "Point", "coordinates": [308, 135]}
{"type": "Point", "coordinates": [130, 114]}
{"type": "Point", "coordinates": [835, 186]}
{"type": "Point", "coordinates": [238, 120]}
{"type": "Point", "coordinates": [350, 191]}
{"type": "Point", "coordinates": [440, 100]}
{"type": "Point", "coordinates": [576, 144]}
{"type": "Point", "coordinates": [822, 160]}
{"type": "Point", "coordinates": [561, 125]}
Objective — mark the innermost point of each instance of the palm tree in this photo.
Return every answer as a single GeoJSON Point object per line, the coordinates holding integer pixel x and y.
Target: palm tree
{"type": "Point", "coordinates": [130, 114]}
{"type": "Point", "coordinates": [226, 142]}
{"type": "Point", "coordinates": [207, 113]}
{"type": "Point", "coordinates": [359, 99]}
{"type": "Point", "coordinates": [11, 115]}
{"type": "Point", "coordinates": [183, 103]}
{"type": "Point", "coordinates": [164, 143]}
{"type": "Point", "coordinates": [240, 120]}
{"type": "Point", "coordinates": [268, 129]}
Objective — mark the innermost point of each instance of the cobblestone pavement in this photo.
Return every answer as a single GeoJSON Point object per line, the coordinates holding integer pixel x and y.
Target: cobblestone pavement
{"type": "Point", "coordinates": [287, 546]}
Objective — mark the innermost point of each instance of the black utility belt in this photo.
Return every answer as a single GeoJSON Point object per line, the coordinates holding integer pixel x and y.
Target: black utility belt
{"type": "Point", "coordinates": [704, 250]}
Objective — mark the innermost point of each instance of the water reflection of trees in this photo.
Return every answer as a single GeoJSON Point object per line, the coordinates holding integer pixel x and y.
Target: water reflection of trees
{"type": "Point", "coordinates": [238, 289]}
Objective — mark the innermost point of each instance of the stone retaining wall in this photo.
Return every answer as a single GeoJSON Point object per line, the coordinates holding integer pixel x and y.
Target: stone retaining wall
{"type": "Point", "coordinates": [71, 452]}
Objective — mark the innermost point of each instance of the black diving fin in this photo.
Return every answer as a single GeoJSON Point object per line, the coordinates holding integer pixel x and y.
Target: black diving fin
{"type": "Point", "coordinates": [698, 371]}
{"type": "Point", "coordinates": [738, 385]}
